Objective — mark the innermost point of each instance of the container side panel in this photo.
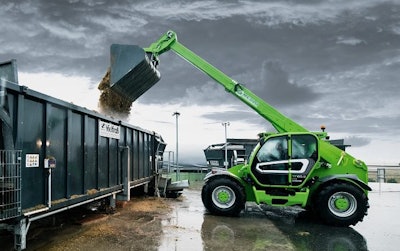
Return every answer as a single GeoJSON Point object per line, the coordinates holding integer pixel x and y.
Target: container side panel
{"type": "Point", "coordinates": [113, 163]}
{"type": "Point", "coordinates": [103, 162]}
{"type": "Point", "coordinates": [90, 176]}
{"type": "Point", "coordinates": [75, 155]}
{"type": "Point", "coordinates": [11, 107]}
{"type": "Point", "coordinates": [141, 155]}
{"type": "Point", "coordinates": [56, 147]}
{"type": "Point", "coordinates": [129, 143]}
{"type": "Point", "coordinates": [8, 121]}
{"type": "Point", "coordinates": [121, 143]}
{"type": "Point", "coordinates": [34, 178]}
{"type": "Point", "coordinates": [152, 153]}
{"type": "Point", "coordinates": [122, 139]}
{"type": "Point", "coordinates": [147, 149]}
{"type": "Point", "coordinates": [135, 160]}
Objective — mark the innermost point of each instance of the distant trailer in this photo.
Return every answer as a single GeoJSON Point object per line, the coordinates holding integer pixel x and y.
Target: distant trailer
{"type": "Point", "coordinates": [237, 150]}
{"type": "Point", "coordinates": [55, 156]}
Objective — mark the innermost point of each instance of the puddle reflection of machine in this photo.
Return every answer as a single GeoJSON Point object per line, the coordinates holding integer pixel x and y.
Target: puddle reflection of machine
{"type": "Point", "coordinates": [257, 231]}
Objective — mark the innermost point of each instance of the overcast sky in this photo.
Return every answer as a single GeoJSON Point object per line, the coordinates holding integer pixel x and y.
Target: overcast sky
{"type": "Point", "coordinates": [335, 63]}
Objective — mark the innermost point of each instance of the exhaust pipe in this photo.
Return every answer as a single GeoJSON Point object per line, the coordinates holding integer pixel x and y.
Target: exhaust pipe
{"type": "Point", "coordinates": [132, 71]}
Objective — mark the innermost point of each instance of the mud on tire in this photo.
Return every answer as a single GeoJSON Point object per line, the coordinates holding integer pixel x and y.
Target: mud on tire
{"type": "Point", "coordinates": [223, 196]}
{"type": "Point", "coordinates": [341, 204]}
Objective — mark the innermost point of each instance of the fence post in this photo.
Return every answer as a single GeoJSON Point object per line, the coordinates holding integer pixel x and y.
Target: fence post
{"type": "Point", "coordinates": [381, 175]}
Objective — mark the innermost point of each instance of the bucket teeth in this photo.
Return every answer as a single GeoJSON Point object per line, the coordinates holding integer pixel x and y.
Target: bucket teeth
{"type": "Point", "coordinates": [132, 72]}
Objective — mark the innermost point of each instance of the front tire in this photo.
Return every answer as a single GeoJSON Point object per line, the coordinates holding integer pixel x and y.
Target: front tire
{"type": "Point", "coordinates": [341, 204]}
{"type": "Point", "coordinates": [223, 196]}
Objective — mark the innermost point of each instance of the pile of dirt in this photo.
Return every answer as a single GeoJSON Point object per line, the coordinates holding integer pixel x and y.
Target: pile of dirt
{"type": "Point", "coordinates": [110, 102]}
{"type": "Point", "coordinates": [136, 226]}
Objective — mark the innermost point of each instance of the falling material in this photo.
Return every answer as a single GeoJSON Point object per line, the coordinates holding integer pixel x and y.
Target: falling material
{"type": "Point", "coordinates": [110, 102]}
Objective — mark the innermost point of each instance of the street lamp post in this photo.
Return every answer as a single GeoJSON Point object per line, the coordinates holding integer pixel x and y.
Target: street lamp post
{"type": "Point", "coordinates": [225, 124]}
{"type": "Point", "coordinates": [176, 114]}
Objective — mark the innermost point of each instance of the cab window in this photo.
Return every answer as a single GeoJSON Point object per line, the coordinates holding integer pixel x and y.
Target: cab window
{"type": "Point", "coordinates": [273, 149]}
{"type": "Point", "coordinates": [304, 147]}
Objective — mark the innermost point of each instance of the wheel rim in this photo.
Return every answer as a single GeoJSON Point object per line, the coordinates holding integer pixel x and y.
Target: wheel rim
{"type": "Point", "coordinates": [342, 204]}
{"type": "Point", "coordinates": [223, 197]}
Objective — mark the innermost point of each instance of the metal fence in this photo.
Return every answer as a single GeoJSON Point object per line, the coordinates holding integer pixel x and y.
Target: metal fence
{"type": "Point", "coordinates": [10, 184]}
{"type": "Point", "coordinates": [384, 173]}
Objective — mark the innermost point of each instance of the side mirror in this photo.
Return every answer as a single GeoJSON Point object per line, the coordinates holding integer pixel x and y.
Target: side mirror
{"type": "Point", "coordinates": [262, 141]}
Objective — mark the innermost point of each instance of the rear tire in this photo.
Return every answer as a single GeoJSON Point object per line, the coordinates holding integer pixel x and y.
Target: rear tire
{"type": "Point", "coordinates": [341, 204]}
{"type": "Point", "coordinates": [223, 196]}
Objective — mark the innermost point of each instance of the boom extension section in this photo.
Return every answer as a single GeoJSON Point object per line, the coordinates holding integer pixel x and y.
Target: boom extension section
{"type": "Point", "coordinates": [133, 72]}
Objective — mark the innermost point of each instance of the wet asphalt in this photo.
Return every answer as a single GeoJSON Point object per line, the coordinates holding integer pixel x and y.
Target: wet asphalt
{"type": "Point", "coordinates": [190, 227]}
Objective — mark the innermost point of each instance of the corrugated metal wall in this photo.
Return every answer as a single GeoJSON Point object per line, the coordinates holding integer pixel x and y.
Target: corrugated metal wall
{"type": "Point", "coordinates": [87, 164]}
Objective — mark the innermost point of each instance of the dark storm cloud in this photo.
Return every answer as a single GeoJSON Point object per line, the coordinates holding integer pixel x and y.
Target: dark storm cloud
{"type": "Point", "coordinates": [310, 41]}
{"type": "Point", "coordinates": [68, 37]}
{"type": "Point", "coordinates": [328, 59]}
{"type": "Point", "coordinates": [277, 88]}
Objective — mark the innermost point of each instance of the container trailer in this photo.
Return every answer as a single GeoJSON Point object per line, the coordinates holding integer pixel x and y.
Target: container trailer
{"type": "Point", "coordinates": [55, 155]}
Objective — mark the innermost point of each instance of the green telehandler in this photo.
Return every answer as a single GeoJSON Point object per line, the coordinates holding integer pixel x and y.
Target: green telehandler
{"type": "Point", "coordinates": [289, 167]}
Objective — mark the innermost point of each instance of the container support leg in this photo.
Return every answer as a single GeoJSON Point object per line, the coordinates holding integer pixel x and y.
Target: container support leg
{"type": "Point", "coordinates": [20, 232]}
{"type": "Point", "coordinates": [113, 199]}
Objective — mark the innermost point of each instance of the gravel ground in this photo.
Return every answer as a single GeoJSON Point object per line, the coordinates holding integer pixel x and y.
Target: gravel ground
{"type": "Point", "coordinates": [135, 226]}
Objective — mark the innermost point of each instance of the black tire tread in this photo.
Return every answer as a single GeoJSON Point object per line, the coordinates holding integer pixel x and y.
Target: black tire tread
{"type": "Point", "coordinates": [321, 204]}
{"type": "Point", "coordinates": [206, 195]}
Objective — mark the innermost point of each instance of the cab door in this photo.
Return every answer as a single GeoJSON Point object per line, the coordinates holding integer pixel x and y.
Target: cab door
{"type": "Point", "coordinates": [304, 155]}
{"type": "Point", "coordinates": [271, 164]}
{"type": "Point", "coordinates": [285, 159]}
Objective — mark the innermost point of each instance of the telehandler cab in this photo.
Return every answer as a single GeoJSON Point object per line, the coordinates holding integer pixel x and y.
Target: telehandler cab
{"type": "Point", "coordinates": [290, 167]}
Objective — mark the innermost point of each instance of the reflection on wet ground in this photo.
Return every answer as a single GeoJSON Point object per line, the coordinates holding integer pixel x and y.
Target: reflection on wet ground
{"type": "Point", "coordinates": [182, 228]}
{"type": "Point", "coordinates": [260, 233]}
{"type": "Point", "coordinates": [189, 227]}
{"type": "Point", "coordinates": [148, 223]}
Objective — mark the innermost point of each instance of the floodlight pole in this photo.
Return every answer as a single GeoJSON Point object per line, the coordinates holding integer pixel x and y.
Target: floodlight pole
{"type": "Point", "coordinates": [176, 114]}
{"type": "Point", "coordinates": [225, 124]}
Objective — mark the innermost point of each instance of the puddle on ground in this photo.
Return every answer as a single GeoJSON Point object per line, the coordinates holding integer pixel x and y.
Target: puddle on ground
{"type": "Point", "coordinates": [182, 227]}
{"type": "Point", "coordinates": [189, 227]}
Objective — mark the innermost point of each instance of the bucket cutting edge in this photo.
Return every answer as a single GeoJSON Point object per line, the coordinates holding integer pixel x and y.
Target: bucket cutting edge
{"type": "Point", "coordinates": [132, 72]}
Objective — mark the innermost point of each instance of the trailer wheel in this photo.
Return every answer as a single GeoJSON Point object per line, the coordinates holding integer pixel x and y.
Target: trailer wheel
{"type": "Point", "coordinates": [223, 196]}
{"type": "Point", "coordinates": [341, 204]}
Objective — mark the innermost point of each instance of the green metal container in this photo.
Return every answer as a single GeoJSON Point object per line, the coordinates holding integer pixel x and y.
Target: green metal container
{"type": "Point", "coordinates": [55, 155]}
